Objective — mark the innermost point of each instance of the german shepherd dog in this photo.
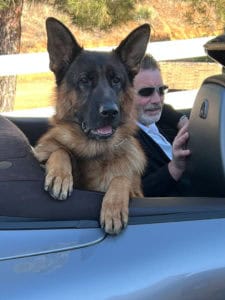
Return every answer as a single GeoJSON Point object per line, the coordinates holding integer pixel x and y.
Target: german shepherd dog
{"type": "Point", "coordinates": [91, 143]}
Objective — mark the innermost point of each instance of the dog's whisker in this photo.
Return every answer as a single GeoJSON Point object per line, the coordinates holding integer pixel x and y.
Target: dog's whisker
{"type": "Point", "coordinates": [120, 143]}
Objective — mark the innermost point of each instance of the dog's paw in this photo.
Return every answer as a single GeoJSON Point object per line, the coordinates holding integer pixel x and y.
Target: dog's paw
{"type": "Point", "coordinates": [58, 184]}
{"type": "Point", "coordinates": [114, 215]}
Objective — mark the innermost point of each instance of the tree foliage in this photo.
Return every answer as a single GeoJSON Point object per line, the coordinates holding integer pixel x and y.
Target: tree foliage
{"type": "Point", "coordinates": [101, 14]}
{"type": "Point", "coordinates": [4, 4]}
{"type": "Point", "coordinates": [204, 11]}
{"type": "Point", "coordinates": [90, 14]}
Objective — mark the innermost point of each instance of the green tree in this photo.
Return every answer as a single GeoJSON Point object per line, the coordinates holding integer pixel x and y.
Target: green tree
{"type": "Point", "coordinates": [100, 14]}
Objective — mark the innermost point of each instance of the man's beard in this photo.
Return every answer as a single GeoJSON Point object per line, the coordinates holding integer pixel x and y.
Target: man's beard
{"type": "Point", "coordinates": [147, 120]}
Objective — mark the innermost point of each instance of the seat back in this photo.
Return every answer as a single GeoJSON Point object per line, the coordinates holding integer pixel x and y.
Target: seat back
{"type": "Point", "coordinates": [206, 165]}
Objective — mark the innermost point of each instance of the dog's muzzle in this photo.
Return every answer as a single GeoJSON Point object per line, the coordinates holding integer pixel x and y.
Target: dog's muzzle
{"type": "Point", "coordinates": [103, 132]}
{"type": "Point", "coordinates": [109, 111]}
{"type": "Point", "coordinates": [107, 118]}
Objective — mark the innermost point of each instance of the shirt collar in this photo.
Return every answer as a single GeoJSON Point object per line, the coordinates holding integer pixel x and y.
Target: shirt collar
{"type": "Point", "coordinates": [150, 128]}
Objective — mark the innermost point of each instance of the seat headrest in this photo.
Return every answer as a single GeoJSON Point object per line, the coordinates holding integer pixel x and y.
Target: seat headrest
{"type": "Point", "coordinates": [206, 165]}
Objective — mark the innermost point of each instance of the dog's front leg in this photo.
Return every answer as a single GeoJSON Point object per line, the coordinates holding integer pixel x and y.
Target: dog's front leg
{"type": "Point", "coordinates": [59, 179]}
{"type": "Point", "coordinates": [114, 211]}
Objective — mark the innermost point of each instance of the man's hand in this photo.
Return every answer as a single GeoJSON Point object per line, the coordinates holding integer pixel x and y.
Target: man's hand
{"type": "Point", "coordinates": [182, 122]}
{"type": "Point", "coordinates": [178, 163]}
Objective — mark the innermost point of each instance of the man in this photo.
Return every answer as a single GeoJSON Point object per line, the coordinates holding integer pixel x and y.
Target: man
{"type": "Point", "coordinates": [164, 145]}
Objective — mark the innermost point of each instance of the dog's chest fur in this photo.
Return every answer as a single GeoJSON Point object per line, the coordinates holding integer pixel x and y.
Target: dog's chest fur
{"type": "Point", "coordinates": [97, 173]}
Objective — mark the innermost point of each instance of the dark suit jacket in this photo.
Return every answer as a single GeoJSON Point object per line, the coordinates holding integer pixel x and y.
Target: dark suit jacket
{"type": "Point", "coordinates": [157, 181]}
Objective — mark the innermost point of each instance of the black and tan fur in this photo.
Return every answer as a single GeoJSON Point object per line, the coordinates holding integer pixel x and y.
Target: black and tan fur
{"type": "Point", "coordinates": [91, 144]}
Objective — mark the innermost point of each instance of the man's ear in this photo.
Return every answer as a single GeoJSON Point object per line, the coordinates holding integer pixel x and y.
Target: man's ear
{"type": "Point", "coordinates": [62, 47]}
{"type": "Point", "coordinates": [132, 49]}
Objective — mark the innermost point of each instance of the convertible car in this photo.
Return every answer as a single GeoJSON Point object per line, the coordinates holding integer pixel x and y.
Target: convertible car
{"type": "Point", "coordinates": [173, 248]}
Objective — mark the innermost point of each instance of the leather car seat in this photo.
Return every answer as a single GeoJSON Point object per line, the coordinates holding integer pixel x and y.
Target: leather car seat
{"type": "Point", "coordinates": [22, 191]}
{"type": "Point", "coordinates": [206, 165]}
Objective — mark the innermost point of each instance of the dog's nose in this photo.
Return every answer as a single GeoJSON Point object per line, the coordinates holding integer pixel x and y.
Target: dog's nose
{"type": "Point", "coordinates": [109, 110]}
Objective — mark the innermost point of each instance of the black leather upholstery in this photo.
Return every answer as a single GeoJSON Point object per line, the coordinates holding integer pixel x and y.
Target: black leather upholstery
{"type": "Point", "coordinates": [22, 183]}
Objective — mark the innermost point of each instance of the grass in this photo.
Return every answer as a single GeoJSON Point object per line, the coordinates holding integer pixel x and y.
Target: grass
{"type": "Point", "coordinates": [34, 91]}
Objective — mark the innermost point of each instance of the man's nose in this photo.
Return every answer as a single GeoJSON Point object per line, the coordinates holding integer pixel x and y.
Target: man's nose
{"type": "Point", "coordinates": [155, 97]}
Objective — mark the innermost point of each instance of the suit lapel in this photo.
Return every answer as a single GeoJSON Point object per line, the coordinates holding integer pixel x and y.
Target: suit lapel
{"type": "Point", "coordinates": [151, 147]}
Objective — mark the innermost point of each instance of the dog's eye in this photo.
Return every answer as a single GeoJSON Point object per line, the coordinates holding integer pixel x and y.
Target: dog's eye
{"type": "Point", "coordinates": [84, 80]}
{"type": "Point", "coordinates": [116, 80]}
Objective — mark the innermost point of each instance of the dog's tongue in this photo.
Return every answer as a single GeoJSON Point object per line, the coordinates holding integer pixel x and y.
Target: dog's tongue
{"type": "Point", "coordinates": [104, 130]}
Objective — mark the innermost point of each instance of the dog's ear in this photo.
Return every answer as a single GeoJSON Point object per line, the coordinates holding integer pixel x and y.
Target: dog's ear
{"type": "Point", "coordinates": [62, 47]}
{"type": "Point", "coordinates": [132, 49]}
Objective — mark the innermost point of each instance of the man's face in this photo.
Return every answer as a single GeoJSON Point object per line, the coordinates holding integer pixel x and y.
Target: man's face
{"type": "Point", "coordinates": [149, 107]}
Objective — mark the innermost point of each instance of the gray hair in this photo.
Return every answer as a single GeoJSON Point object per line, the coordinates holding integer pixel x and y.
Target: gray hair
{"type": "Point", "coordinates": [149, 63]}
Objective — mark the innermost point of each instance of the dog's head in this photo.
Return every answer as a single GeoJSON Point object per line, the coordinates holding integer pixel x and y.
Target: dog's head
{"type": "Point", "coordinates": [93, 87]}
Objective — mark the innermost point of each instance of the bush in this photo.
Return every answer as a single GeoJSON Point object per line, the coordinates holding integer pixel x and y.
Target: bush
{"type": "Point", "coordinates": [4, 4]}
{"type": "Point", "coordinates": [144, 13]}
{"type": "Point", "coordinates": [101, 14]}
{"type": "Point", "coordinates": [120, 11]}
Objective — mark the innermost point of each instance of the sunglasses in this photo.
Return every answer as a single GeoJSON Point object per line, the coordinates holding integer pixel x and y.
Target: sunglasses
{"type": "Point", "coordinates": [149, 91]}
